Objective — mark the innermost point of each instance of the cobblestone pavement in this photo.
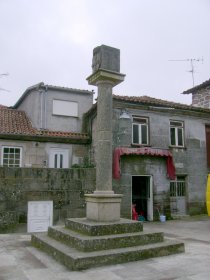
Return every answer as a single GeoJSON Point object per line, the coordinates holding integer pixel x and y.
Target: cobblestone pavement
{"type": "Point", "coordinates": [20, 261]}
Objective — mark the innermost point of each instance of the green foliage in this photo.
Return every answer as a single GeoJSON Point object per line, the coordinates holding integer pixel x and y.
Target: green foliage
{"type": "Point", "coordinates": [8, 221]}
{"type": "Point", "coordinates": [75, 166]}
{"type": "Point", "coordinates": [86, 164]}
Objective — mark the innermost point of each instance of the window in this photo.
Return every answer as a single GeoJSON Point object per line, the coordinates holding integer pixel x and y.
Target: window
{"type": "Point", "coordinates": [65, 108]}
{"type": "Point", "coordinates": [178, 195]}
{"type": "Point", "coordinates": [11, 156]}
{"type": "Point", "coordinates": [176, 134]}
{"type": "Point", "coordinates": [140, 131]}
{"type": "Point", "coordinates": [177, 187]}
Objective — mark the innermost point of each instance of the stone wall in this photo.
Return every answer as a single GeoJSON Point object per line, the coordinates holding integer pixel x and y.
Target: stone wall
{"type": "Point", "coordinates": [37, 154]}
{"type": "Point", "coordinates": [141, 165]}
{"type": "Point", "coordinates": [190, 161]}
{"type": "Point", "coordinates": [43, 117]}
{"type": "Point", "coordinates": [65, 187]}
{"type": "Point", "coordinates": [202, 98]}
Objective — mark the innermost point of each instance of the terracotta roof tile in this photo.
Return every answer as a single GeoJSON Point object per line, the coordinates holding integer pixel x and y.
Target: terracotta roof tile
{"type": "Point", "coordinates": [147, 100]}
{"type": "Point", "coordinates": [150, 101]}
{"type": "Point", "coordinates": [15, 122]}
{"type": "Point", "coordinates": [72, 135]}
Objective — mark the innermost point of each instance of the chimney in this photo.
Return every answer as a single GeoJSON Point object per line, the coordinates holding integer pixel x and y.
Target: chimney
{"type": "Point", "coordinates": [200, 95]}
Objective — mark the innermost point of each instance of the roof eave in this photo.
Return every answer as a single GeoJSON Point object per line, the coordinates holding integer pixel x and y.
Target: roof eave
{"type": "Point", "coordinates": [26, 92]}
{"type": "Point", "coordinates": [196, 88]}
{"type": "Point", "coordinates": [159, 107]}
{"type": "Point", "coordinates": [67, 89]}
{"type": "Point", "coordinates": [41, 85]}
{"type": "Point", "coordinates": [41, 138]}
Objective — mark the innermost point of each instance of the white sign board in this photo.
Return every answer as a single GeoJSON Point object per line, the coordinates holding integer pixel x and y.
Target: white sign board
{"type": "Point", "coordinates": [40, 216]}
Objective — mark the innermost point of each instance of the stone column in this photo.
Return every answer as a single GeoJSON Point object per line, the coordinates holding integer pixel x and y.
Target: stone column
{"type": "Point", "coordinates": [104, 137]}
{"type": "Point", "coordinates": [103, 205]}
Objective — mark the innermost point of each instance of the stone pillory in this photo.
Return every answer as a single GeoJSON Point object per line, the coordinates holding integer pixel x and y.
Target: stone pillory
{"type": "Point", "coordinates": [103, 205]}
{"type": "Point", "coordinates": [103, 237]}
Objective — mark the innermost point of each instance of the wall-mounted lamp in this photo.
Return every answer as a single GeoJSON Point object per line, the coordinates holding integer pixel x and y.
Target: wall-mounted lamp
{"type": "Point", "coordinates": [45, 163]}
{"type": "Point", "coordinates": [124, 115]}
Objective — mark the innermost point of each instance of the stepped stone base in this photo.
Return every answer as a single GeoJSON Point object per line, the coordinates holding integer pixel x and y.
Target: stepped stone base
{"type": "Point", "coordinates": [89, 227]}
{"type": "Point", "coordinates": [98, 243]}
{"type": "Point", "coordinates": [82, 244]}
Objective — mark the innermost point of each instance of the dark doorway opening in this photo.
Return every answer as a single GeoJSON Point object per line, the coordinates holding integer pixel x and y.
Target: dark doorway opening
{"type": "Point", "coordinates": [141, 194]}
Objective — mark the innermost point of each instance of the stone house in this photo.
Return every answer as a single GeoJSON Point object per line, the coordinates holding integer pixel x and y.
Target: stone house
{"type": "Point", "coordinates": [200, 95]}
{"type": "Point", "coordinates": [159, 155]}
{"type": "Point", "coordinates": [160, 148]}
{"type": "Point", "coordinates": [44, 128]}
{"type": "Point", "coordinates": [201, 98]}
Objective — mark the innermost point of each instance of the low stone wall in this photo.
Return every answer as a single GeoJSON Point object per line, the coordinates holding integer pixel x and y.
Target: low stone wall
{"type": "Point", "coordinates": [65, 187]}
{"type": "Point", "coordinates": [8, 221]}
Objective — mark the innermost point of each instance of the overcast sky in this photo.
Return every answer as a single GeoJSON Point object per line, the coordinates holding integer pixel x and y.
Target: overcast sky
{"type": "Point", "coordinates": [51, 41]}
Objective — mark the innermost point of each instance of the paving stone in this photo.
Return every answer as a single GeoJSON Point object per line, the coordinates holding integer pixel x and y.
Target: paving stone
{"type": "Point", "coordinates": [192, 265]}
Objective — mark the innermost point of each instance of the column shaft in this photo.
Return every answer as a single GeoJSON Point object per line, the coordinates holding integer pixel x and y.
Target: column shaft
{"type": "Point", "coordinates": [104, 137]}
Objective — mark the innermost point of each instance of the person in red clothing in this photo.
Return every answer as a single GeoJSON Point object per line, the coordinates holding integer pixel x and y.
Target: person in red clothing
{"type": "Point", "coordinates": [134, 213]}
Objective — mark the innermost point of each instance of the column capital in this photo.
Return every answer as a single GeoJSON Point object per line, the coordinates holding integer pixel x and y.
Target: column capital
{"type": "Point", "coordinates": [102, 75]}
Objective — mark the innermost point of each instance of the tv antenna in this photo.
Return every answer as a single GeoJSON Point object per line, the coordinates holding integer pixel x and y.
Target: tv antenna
{"type": "Point", "coordinates": [3, 75]}
{"type": "Point", "coordinates": [192, 69]}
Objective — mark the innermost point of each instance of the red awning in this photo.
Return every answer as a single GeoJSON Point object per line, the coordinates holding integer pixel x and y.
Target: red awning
{"type": "Point", "coordinates": [118, 152]}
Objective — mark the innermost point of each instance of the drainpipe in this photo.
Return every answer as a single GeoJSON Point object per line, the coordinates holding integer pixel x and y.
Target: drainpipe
{"type": "Point", "coordinates": [41, 108]}
{"type": "Point", "coordinates": [45, 107]}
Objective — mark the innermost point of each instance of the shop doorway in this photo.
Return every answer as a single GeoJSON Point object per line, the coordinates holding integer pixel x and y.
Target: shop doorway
{"type": "Point", "coordinates": [142, 196]}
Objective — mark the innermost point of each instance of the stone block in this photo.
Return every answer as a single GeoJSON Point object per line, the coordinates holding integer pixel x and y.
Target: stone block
{"type": "Point", "coordinates": [103, 207]}
{"type": "Point", "coordinates": [107, 58]}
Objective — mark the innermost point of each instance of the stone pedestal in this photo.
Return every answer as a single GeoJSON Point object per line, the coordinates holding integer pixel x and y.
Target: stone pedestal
{"type": "Point", "coordinates": [103, 207]}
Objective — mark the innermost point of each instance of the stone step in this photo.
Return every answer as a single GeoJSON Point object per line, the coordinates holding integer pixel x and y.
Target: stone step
{"type": "Point", "coordinates": [92, 228]}
{"type": "Point", "coordinates": [77, 260]}
{"type": "Point", "coordinates": [94, 243]}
